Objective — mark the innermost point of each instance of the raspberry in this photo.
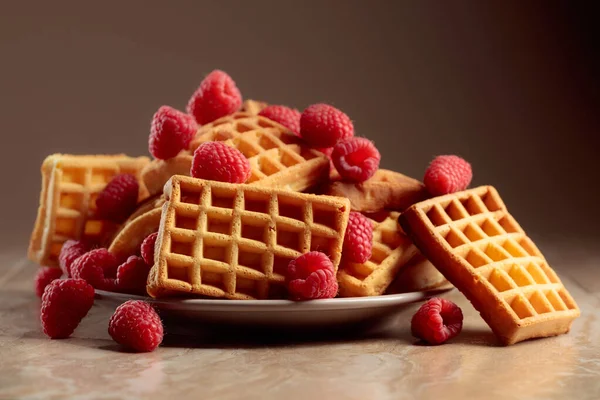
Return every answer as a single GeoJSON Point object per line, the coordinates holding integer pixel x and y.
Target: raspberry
{"type": "Point", "coordinates": [136, 325]}
{"type": "Point", "coordinates": [216, 97]}
{"type": "Point", "coordinates": [322, 125]}
{"type": "Point", "coordinates": [311, 276]}
{"type": "Point", "coordinates": [218, 162]}
{"type": "Point", "coordinates": [147, 248]}
{"type": "Point", "coordinates": [44, 276]}
{"type": "Point", "coordinates": [170, 132]}
{"type": "Point", "coordinates": [437, 321]}
{"type": "Point", "coordinates": [70, 251]}
{"type": "Point", "coordinates": [118, 199]}
{"type": "Point", "coordinates": [447, 174]}
{"type": "Point", "coordinates": [132, 276]}
{"type": "Point", "coordinates": [288, 117]}
{"type": "Point", "coordinates": [326, 150]}
{"type": "Point", "coordinates": [356, 159]}
{"type": "Point", "coordinates": [358, 242]}
{"type": "Point", "coordinates": [97, 267]}
{"type": "Point", "coordinates": [64, 304]}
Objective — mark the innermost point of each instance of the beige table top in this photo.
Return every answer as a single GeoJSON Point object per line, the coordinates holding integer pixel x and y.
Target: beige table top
{"type": "Point", "coordinates": [386, 366]}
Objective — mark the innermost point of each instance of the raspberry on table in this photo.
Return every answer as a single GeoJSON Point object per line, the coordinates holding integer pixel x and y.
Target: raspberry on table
{"type": "Point", "coordinates": [70, 251]}
{"type": "Point", "coordinates": [447, 174]}
{"type": "Point", "coordinates": [132, 276]}
{"type": "Point", "coordinates": [44, 276]}
{"type": "Point", "coordinates": [358, 242]}
{"type": "Point", "coordinates": [311, 276]}
{"type": "Point", "coordinates": [437, 321]}
{"type": "Point", "coordinates": [218, 162]}
{"type": "Point", "coordinates": [170, 132]}
{"type": "Point", "coordinates": [118, 199]}
{"type": "Point", "coordinates": [64, 304]}
{"type": "Point", "coordinates": [97, 267]}
{"type": "Point", "coordinates": [147, 248]}
{"type": "Point", "coordinates": [288, 117]}
{"type": "Point", "coordinates": [216, 97]}
{"type": "Point", "coordinates": [322, 125]}
{"type": "Point", "coordinates": [136, 325]}
{"type": "Point", "coordinates": [356, 159]}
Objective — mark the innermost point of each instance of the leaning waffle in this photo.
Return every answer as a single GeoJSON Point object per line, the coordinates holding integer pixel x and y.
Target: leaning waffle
{"type": "Point", "coordinates": [386, 189]}
{"type": "Point", "coordinates": [391, 251]}
{"type": "Point", "coordinates": [235, 241]}
{"type": "Point", "coordinates": [70, 185]}
{"type": "Point", "coordinates": [472, 239]}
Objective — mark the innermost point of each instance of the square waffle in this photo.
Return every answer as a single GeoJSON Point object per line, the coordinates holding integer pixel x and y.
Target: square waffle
{"type": "Point", "coordinates": [392, 249]}
{"type": "Point", "coordinates": [70, 185]}
{"type": "Point", "coordinates": [235, 241]}
{"type": "Point", "coordinates": [480, 248]}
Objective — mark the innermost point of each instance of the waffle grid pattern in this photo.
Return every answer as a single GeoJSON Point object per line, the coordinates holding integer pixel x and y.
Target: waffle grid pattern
{"type": "Point", "coordinates": [235, 241]}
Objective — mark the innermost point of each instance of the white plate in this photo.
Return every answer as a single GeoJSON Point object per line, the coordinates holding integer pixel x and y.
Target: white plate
{"type": "Point", "coordinates": [326, 313]}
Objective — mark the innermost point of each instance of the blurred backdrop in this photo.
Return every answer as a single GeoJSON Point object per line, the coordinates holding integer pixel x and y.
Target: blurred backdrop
{"type": "Point", "coordinates": [510, 86]}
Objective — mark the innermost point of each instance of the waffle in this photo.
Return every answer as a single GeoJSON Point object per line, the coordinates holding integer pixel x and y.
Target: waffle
{"type": "Point", "coordinates": [70, 185]}
{"type": "Point", "coordinates": [480, 248]}
{"type": "Point", "coordinates": [253, 107]}
{"type": "Point", "coordinates": [278, 158]}
{"type": "Point", "coordinates": [418, 275]}
{"type": "Point", "coordinates": [386, 189]}
{"type": "Point", "coordinates": [235, 241]}
{"type": "Point", "coordinates": [391, 251]}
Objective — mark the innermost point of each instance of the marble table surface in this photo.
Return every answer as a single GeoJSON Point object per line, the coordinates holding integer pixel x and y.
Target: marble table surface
{"type": "Point", "coordinates": [386, 364]}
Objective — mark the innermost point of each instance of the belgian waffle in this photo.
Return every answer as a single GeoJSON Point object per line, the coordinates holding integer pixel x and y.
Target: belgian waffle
{"type": "Point", "coordinates": [70, 185]}
{"type": "Point", "coordinates": [480, 248]}
{"type": "Point", "coordinates": [235, 241]}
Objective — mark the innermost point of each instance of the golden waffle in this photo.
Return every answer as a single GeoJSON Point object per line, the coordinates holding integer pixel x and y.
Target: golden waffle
{"type": "Point", "coordinates": [385, 190]}
{"type": "Point", "coordinates": [391, 251]}
{"type": "Point", "coordinates": [278, 158]}
{"type": "Point", "coordinates": [235, 241]}
{"type": "Point", "coordinates": [472, 239]}
{"type": "Point", "coordinates": [70, 185]}
{"type": "Point", "coordinates": [253, 107]}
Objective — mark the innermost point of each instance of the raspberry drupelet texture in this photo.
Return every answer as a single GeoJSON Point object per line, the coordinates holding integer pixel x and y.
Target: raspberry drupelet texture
{"type": "Point", "coordinates": [216, 97]}
{"type": "Point", "coordinates": [118, 199]}
{"type": "Point", "coordinates": [218, 162]}
{"type": "Point", "coordinates": [322, 125]}
{"type": "Point", "coordinates": [437, 321]}
{"type": "Point", "coordinates": [97, 267]}
{"type": "Point", "coordinates": [170, 132]}
{"type": "Point", "coordinates": [64, 304]}
{"type": "Point", "coordinates": [132, 276]}
{"type": "Point", "coordinates": [70, 251]}
{"type": "Point", "coordinates": [447, 174]}
{"type": "Point", "coordinates": [44, 276]}
{"type": "Point", "coordinates": [311, 276]}
{"type": "Point", "coordinates": [288, 117]}
{"type": "Point", "coordinates": [358, 242]}
{"type": "Point", "coordinates": [356, 159]}
{"type": "Point", "coordinates": [137, 326]}
{"type": "Point", "coordinates": [147, 248]}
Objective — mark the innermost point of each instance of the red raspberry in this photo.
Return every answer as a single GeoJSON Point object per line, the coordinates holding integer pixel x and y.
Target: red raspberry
{"type": "Point", "coordinates": [44, 276]}
{"type": "Point", "coordinates": [437, 321]}
{"type": "Point", "coordinates": [322, 125]}
{"type": "Point", "coordinates": [326, 150]}
{"type": "Point", "coordinates": [136, 325]}
{"type": "Point", "coordinates": [356, 159]}
{"type": "Point", "coordinates": [64, 304]}
{"type": "Point", "coordinates": [147, 248]}
{"type": "Point", "coordinates": [447, 174]}
{"type": "Point", "coordinates": [311, 276]}
{"type": "Point", "coordinates": [70, 251]}
{"type": "Point", "coordinates": [118, 199]}
{"type": "Point", "coordinates": [97, 267]}
{"type": "Point", "coordinates": [358, 241]}
{"type": "Point", "coordinates": [218, 162]}
{"type": "Point", "coordinates": [170, 132]}
{"type": "Point", "coordinates": [288, 117]}
{"type": "Point", "coordinates": [216, 97]}
{"type": "Point", "coordinates": [132, 276]}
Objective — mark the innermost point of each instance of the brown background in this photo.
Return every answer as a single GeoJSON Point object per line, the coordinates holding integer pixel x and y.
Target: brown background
{"type": "Point", "coordinates": [511, 87]}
